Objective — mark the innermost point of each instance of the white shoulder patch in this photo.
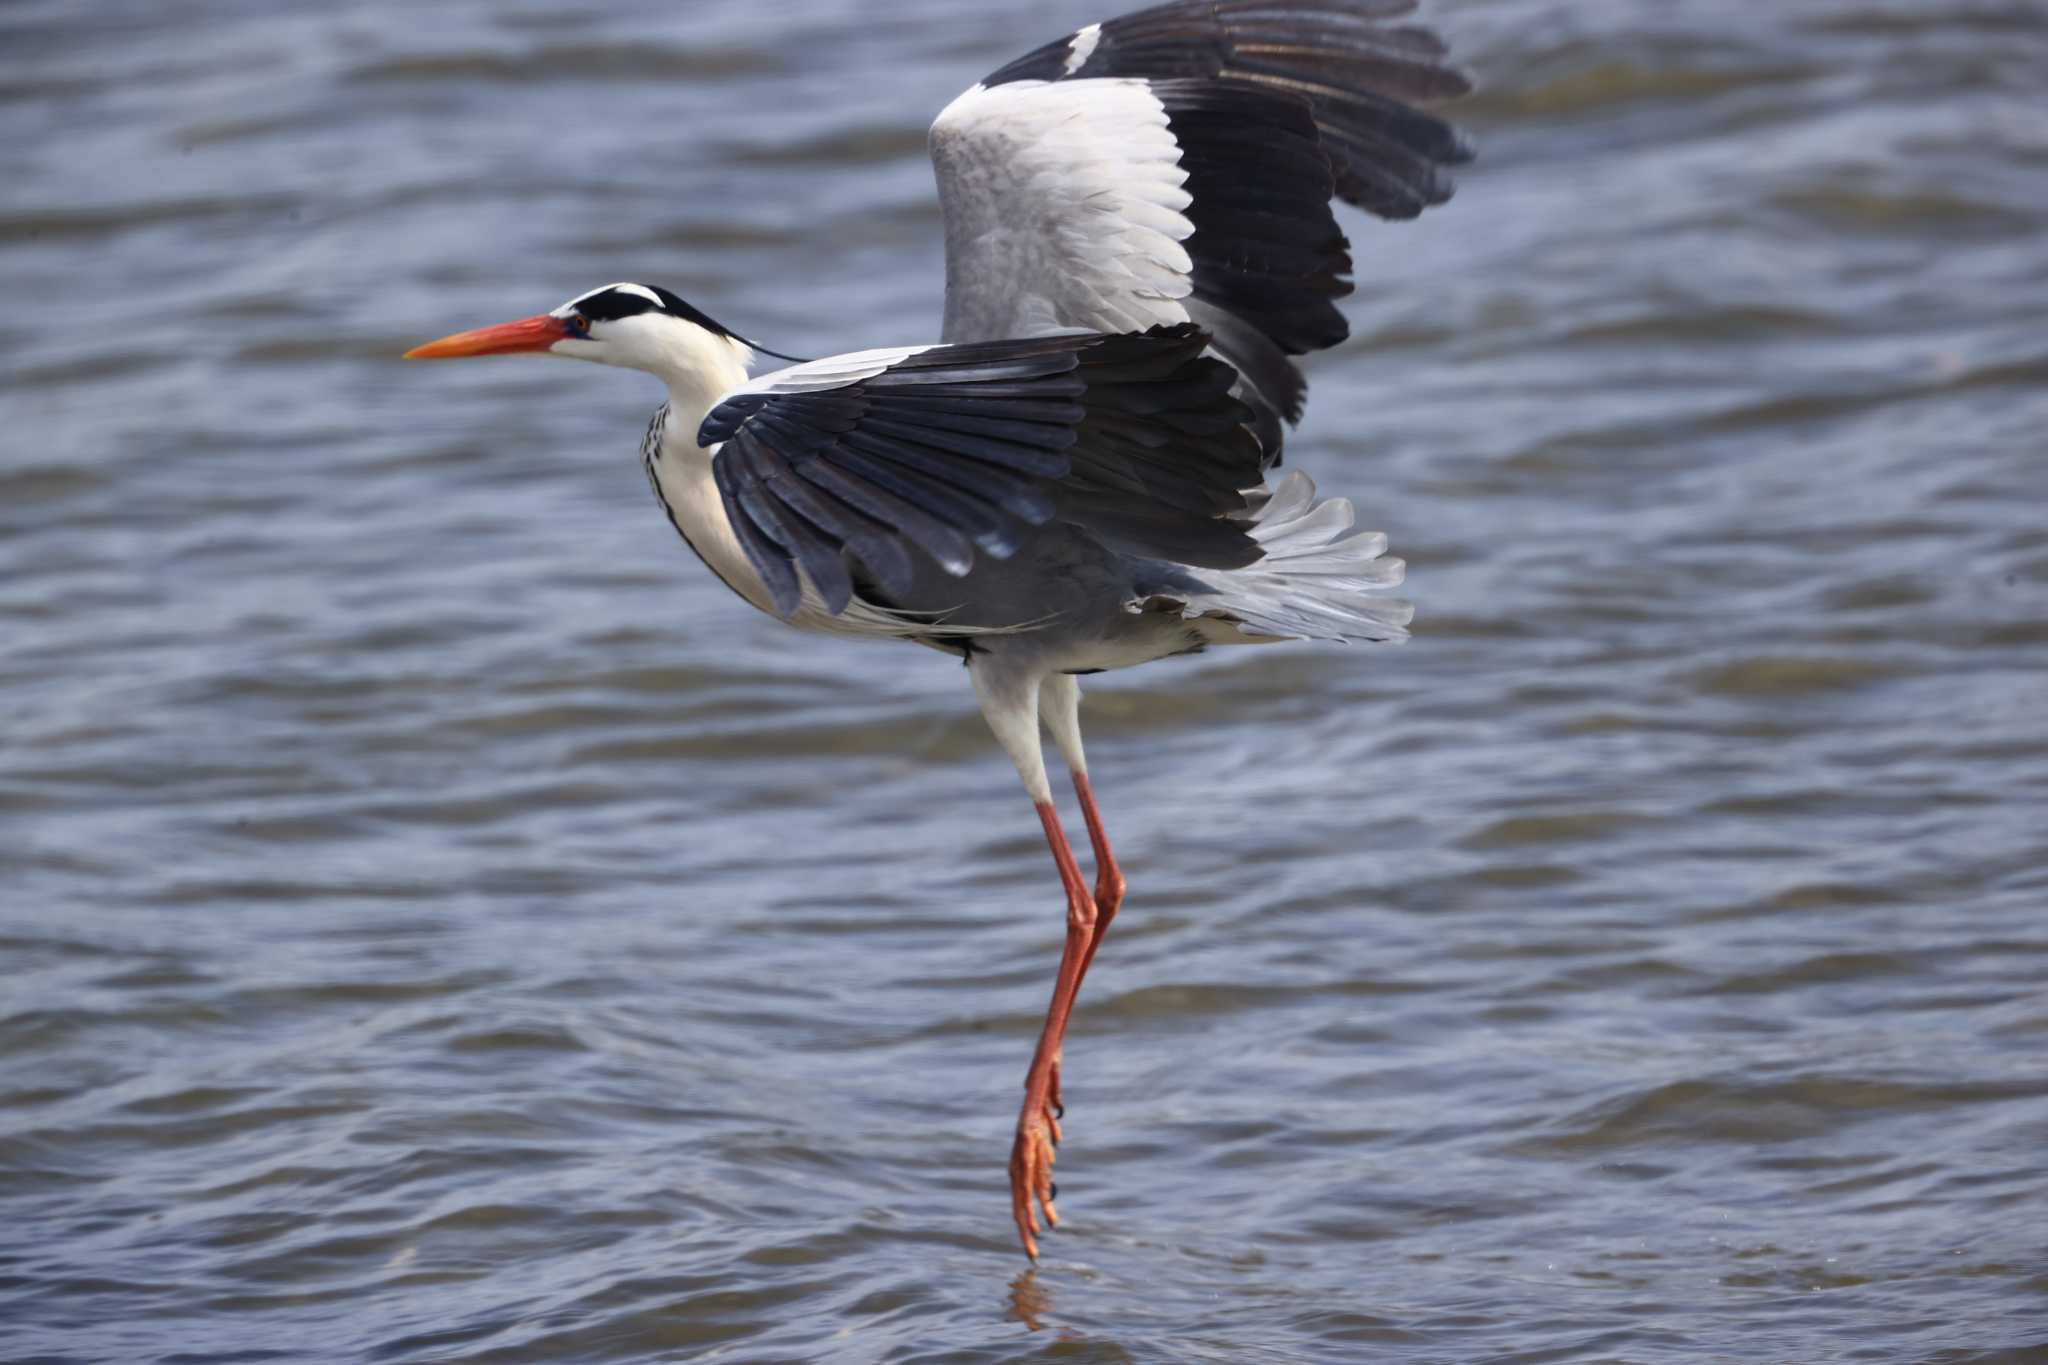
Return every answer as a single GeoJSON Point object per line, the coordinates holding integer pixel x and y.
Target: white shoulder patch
{"type": "Point", "coordinates": [1081, 47]}
{"type": "Point", "coordinates": [833, 372]}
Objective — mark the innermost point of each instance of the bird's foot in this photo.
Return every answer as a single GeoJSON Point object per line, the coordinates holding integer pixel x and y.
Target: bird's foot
{"type": "Point", "coordinates": [1031, 1158]}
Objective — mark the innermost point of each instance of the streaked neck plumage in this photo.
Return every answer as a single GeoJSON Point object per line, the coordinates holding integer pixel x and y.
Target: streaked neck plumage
{"type": "Point", "coordinates": [699, 367]}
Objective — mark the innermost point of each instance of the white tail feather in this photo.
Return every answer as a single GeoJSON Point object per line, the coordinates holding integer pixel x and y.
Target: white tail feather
{"type": "Point", "coordinates": [1319, 579]}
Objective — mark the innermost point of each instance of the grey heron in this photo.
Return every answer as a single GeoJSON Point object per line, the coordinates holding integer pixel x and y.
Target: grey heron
{"type": "Point", "coordinates": [1078, 475]}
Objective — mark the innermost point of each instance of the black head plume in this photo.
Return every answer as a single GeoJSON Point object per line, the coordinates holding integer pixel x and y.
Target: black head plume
{"type": "Point", "coordinates": [629, 300]}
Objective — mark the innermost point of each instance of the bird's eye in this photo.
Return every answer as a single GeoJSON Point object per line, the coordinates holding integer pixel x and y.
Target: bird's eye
{"type": "Point", "coordinates": [580, 325]}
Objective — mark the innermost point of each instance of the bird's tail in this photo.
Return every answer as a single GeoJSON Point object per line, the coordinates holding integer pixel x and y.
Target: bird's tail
{"type": "Point", "coordinates": [1319, 579]}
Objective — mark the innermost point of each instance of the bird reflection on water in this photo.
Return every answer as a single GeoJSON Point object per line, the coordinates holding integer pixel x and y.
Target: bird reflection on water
{"type": "Point", "coordinates": [1030, 1300]}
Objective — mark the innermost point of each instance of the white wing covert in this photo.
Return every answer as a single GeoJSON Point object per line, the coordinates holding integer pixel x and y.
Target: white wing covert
{"type": "Point", "coordinates": [1064, 209]}
{"type": "Point", "coordinates": [1178, 164]}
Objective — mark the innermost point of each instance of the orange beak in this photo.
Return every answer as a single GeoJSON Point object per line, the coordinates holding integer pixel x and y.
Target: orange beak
{"type": "Point", "coordinates": [507, 338]}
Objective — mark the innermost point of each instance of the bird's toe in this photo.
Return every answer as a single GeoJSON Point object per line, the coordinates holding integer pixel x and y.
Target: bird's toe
{"type": "Point", "coordinates": [1031, 1187]}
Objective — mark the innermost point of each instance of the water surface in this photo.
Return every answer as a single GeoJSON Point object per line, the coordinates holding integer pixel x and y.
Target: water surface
{"type": "Point", "coordinates": [440, 923]}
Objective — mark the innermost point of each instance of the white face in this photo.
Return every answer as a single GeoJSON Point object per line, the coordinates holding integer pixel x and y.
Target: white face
{"type": "Point", "coordinates": [635, 341]}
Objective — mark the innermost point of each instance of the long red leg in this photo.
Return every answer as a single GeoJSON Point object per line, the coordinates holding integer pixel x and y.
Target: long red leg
{"type": "Point", "coordinates": [1109, 894]}
{"type": "Point", "coordinates": [1109, 878]}
{"type": "Point", "coordinates": [1031, 1155]}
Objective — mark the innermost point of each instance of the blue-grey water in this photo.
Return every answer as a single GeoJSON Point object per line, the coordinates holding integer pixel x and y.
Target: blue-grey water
{"type": "Point", "coordinates": [440, 923]}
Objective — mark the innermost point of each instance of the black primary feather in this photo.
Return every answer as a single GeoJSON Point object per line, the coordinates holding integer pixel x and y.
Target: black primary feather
{"type": "Point", "coordinates": [1134, 438]}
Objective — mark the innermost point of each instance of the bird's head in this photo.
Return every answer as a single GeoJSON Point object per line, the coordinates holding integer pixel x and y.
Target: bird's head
{"type": "Point", "coordinates": [638, 326]}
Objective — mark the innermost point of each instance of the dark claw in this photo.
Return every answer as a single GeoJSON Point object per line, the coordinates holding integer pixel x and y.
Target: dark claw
{"type": "Point", "coordinates": [1059, 1111]}
{"type": "Point", "coordinates": [1052, 1190]}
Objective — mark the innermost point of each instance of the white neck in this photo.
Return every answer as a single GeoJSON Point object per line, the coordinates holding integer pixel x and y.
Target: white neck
{"type": "Point", "coordinates": [699, 369]}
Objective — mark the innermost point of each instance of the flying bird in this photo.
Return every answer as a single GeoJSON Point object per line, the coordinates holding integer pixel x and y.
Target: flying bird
{"type": "Point", "coordinates": [1079, 474]}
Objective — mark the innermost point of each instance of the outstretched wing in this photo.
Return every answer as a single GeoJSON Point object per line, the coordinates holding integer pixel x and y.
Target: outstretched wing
{"type": "Point", "coordinates": [950, 449]}
{"type": "Point", "coordinates": [1178, 163]}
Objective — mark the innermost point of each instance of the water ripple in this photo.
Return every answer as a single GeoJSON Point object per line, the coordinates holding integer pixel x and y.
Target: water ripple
{"type": "Point", "coordinates": [440, 923]}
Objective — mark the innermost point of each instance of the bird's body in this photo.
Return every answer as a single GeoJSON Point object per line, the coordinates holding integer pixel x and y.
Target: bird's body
{"type": "Point", "coordinates": [1079, 476]}
{"type": "Point", "coordinates": [1061, 600]}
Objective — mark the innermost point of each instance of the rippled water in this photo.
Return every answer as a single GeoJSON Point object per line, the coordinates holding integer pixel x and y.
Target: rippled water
{"type": "Point", "coordinates": [440, 923]}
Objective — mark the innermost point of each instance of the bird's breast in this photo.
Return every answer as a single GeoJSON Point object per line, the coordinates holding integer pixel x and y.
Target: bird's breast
{"type": "Point", "coordinates": [680, 471]}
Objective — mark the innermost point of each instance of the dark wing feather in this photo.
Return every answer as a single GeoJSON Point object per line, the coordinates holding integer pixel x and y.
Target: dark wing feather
{"type": "Point", "coordinates": [1135, 438]}
{"type": "Point", "coordinates": [1277, 106]}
